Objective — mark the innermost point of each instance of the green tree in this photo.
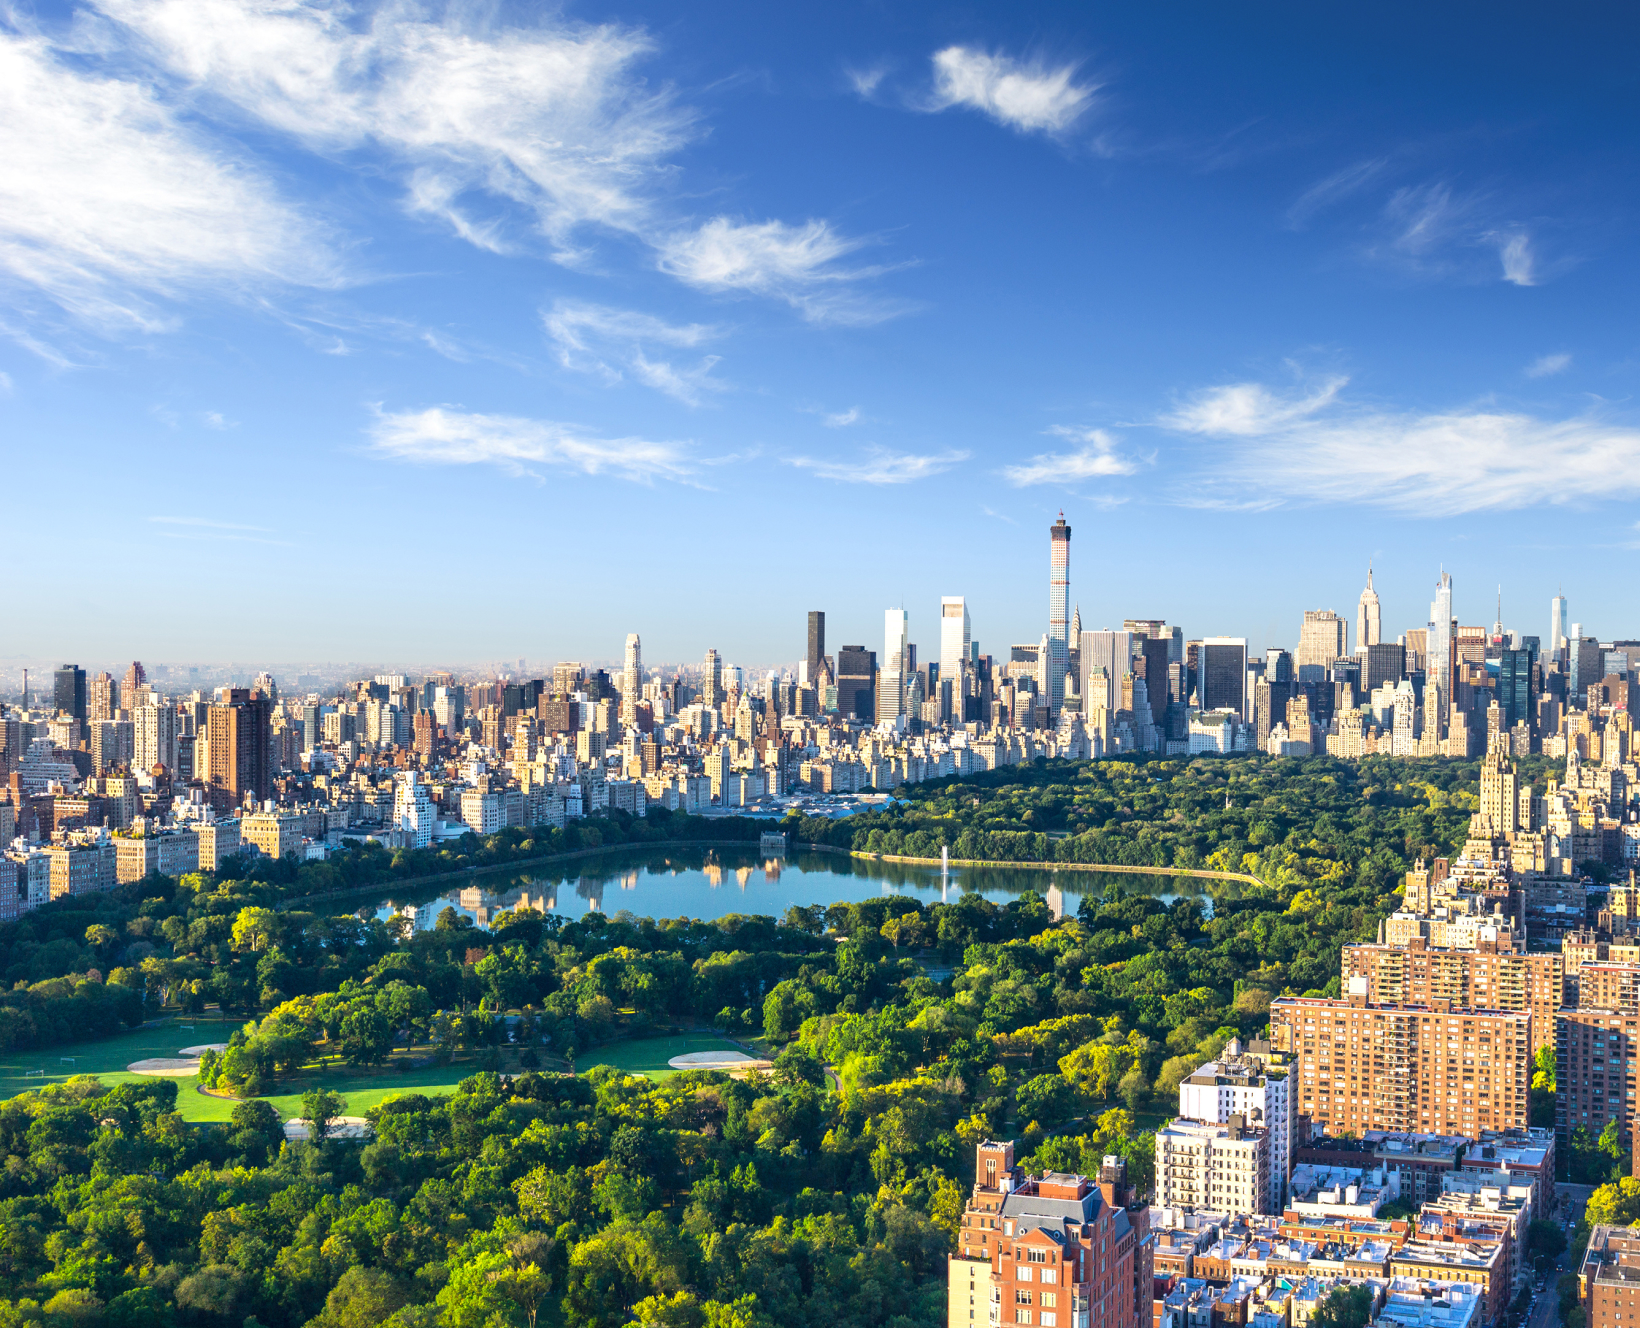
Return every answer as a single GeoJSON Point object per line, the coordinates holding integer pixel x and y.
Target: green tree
{"type": "Point", "coordinates": [320, 1109]}
{"type": "Point", "coordinates": [1344, 1307]}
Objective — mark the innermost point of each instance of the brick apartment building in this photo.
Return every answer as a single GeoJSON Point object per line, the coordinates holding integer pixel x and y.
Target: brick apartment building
{"type": "Point", "coordinates": [1050, 1251]}
{"type": "Point", "coordinates": [1435, 1069]}
{"type": "Point", "coordinates": [1485, 978]}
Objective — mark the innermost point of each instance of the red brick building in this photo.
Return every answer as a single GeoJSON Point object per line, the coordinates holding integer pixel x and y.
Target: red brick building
{"type": "Point", "coordinates": [1050, 1251]}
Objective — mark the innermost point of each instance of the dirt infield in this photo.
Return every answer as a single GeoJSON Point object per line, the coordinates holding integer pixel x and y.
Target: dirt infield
{"type": "Point", "coordinates": [343, 1127]}
{"type": "Point", "coordinates": [166, 1067]}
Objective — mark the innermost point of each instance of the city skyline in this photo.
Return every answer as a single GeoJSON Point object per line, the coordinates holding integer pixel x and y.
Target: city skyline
{"type": "Point", "coordinates": [931, 644]}
{"type": "Point", "coordinates": [917, 280]}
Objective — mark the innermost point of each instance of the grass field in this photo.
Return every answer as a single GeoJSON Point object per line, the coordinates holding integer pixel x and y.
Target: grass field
{"type": "Point", "coordinates": [649, 1056]}
{"type": "Point", "coordinates": [363, 1088]}
{"type": "Point", "coordinates": [107, 1058]}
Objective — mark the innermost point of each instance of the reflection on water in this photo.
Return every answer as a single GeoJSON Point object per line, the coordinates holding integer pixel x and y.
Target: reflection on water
{"type": "Point", "coordinates": [711, 883]}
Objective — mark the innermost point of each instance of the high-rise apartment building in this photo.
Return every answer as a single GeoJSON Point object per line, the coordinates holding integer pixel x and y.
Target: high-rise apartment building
{"type": "Point", "coordinates": [1321, 639]}
{"type": "Point", "coordinates": [1438, 661]}
{"type": "Point", "coordinates": [154, 737]}
{"type": "Point", "coordinates": [711, 679]}
{"type": "Point", "coordinates": [1596, 1055]}
{"type": "Point", "coordinates": [237, 733]}
{"type": "Point", "coordinates": [817, 647]}
{"type": "Point", "coordinates": [1435, 1069]}
{"type": "Point", "coordinates": [1059, 610]}
{"type": "Point", "coordinates": [1244, 1087]}
{"type": "Point", "coordinates": [68, 691]}
{"type": "Point", "coordinates": [1416, 973]}
{"type": "Point", "coordinates": [1369, 629]}
{"type": "Point", "coordinates": [955, 631]}
{"type": "Point", "coordinates": [631, 679]}
{"type": "Point", "coordinates": [1050, 1251]}
{"type": "Point", "coordinates": [896, 664]}
{"type": "Point", "coordinates": [102, 697]}
{"type": "Point", "coordinates": [1220, 1168]}
{"type": "Point", "coordinates": [1222, 673]}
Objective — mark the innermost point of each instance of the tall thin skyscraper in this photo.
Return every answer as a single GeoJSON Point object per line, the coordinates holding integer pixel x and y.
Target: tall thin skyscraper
{"type": "Point", "coordinates": [954, 633]}
{"type": "Point", "coordinates": [1059, 610]}
{"type": "Point", "coordinates": [891, 684]}
{"type": "Point", "coordinates": [631, 679]}
{"type": "Point", "coordinates": [1438, 669]}
{"type": "Point", "coordinates": [711, 679]}
{"type": "Point", "coordinates": [817, 646]}
{"type": "Point", "coordinates": [1557, 622]}
{"type": "Point", "coordinates": [1368, 620]}
{"type": "Point", "coordinates": [68, 692]}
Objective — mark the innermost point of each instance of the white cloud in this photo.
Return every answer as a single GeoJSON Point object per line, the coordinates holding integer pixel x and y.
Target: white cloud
{"type": "Point", "coordinates": [1515, 251]}
{"type": "Point", "coordinates": [842, 419]}
{"type": "Point", "coordinates": [881, 466]}
{"type": "Point", "coordinates": [552, 117]}
{"type": "Point", "coordinates": [203, 522]}
{"type": "Point", "coordinates": [1246, 410]}
{"type": "Point", "coordinates": [1432, 464]}
{"type": "Point", "coordinates": [441, 436]}
{"type": "Point", "coordinates": [792, 263]}
{"type": "Point", "coordinates": [5, 384]}
{"type": "Point", "coordinates": [1097, 459]}
{"type": "Point", "coordinates": [865, 81]}
{"type": "Point", "coordinates": [1026, 97]}
{"type": "Point", "coordinates": [1336, 187]}
{"type": "Point", "coordinates": [109, 199]}
{"type": "Point", "coordinates": [1546, 366]}
{"type": "Point", "coordinates": [215, 419]}
{"type": "Point", "coordinates": [589, 336]}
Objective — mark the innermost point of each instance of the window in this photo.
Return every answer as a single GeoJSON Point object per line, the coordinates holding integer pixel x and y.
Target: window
{"type": "Point", "coordinates": [1050, 1276]}
{"type": "Point", "coordinates": [1022, 1297]}
{"type": "Point", "coordinates": [1037, 1256]}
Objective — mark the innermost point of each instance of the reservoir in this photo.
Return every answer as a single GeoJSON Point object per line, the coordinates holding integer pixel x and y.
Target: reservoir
{"type": "Point", "coordinates": [680, 881]}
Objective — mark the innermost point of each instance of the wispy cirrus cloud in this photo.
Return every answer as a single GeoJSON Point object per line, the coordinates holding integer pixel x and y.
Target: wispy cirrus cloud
{"type": "Point", "coordinates": [552, 116]}
{"type": "Point", "coordinates": [133, 142]}
{"type": "Point", "coordinates": [1097, 458]}
{"type": "Point", "coordinates": [1247, 410]}
{"type": "Point", "coordinates": [1320, 448]}
{"type": "Point", "coordinates": [880, 465]}
{"type": "Point", "coordinates": [1026, 96]}
{"type": "Point", "coordinates": [112, 203]}
{"type": "Point", "coordinates": [1546, 366]}
{"type": "Point", "coordinates": [611, 343]}
{"type": "Point", "coordinates": [228, 532]}
{"type": "Point", "coordinates": [841, 419]}
{"type": "Point", "coordinates": [447, 436]}
{"type": "Point", "coordinates": [797, 264]}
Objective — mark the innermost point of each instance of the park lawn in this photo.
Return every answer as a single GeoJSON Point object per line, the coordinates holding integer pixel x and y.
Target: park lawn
{"type": "Point", "coordinates": [107, 1057]}
{"type": "Point", "coordinates": [649, 1056]}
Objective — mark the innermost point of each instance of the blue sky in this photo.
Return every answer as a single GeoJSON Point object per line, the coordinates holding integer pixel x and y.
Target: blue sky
{"type": "Point", "coordinates": [454, 334]}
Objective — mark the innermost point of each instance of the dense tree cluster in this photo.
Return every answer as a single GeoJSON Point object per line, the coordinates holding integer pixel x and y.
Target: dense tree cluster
{"type": "Point", "coordinates": [825, 1191]}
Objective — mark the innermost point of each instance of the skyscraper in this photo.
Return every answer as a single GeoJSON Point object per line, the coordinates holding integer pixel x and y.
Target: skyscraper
{"type": "Point", "coordinates": [1438, 665]}
{"type": "Point", "coordinates": [1059, 610]}
{"type": "Point", "coordinates": [102, 697]}
{"type": "Point", "coordinates": [856, 683]}
{"type": "Point", "coordinates": [1368, 622]}
{"type": "Point", "coordinates": [69, 690]}
{"type": "Point", "coordinates": [1557, 622]}
{"type": "Point", "coordinates": [238, 726]}
{"type": "Point", "coordinates": [891, 683]}
{"type": "Point", "coordinates": [954, 632]}
{"type": "Point", "coordinates": [817, 646]}
{"type": "Point", "coordinates": [1223, 672]}
{"type": "Point", "coordinates": [1112, 652]}
{"type": "Point", "coordinates": [155, 737]}
{"type": "Point", "coordinates": [631, 679]}
{"type": "Point", "coordinates": [1321, 639]}
{"type": "Point", "coordinates": [711, 679]}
